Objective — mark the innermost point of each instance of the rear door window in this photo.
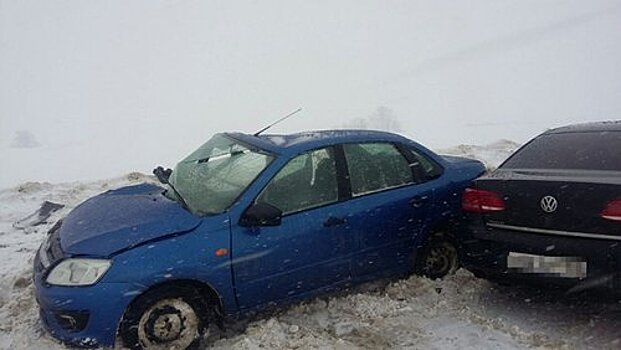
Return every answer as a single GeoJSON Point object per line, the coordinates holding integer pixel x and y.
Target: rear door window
{"type": "Point", "coordinates": [375, 167]}
{"type": "Point", "coordinates": [579, 150]}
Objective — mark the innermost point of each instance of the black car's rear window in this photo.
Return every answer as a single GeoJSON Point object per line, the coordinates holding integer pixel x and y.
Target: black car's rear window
{"type": "Point", "coordinates": [578, 150]}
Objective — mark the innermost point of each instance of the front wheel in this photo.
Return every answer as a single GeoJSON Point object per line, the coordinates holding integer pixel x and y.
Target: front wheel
{"type": "Point", "coordinates": [438, 258]}
{"type": "Point", "coordinates": [168, 319]}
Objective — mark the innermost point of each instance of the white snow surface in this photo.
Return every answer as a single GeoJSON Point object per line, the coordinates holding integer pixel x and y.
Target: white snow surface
{"type": "Point", "coordinates": [491, 155]}
{"type": "Point", "coordinates": [459, 312]}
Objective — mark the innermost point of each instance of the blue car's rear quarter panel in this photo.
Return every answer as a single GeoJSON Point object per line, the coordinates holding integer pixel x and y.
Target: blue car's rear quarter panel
{"type": "Point", "coordinates": [459, 173]}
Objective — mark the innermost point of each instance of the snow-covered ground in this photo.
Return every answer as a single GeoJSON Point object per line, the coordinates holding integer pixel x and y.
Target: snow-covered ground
{"type": "Point", "coordinates": [459, 312]}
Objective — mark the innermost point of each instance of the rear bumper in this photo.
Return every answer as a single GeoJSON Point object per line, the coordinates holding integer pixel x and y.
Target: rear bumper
{"type": "Point", "coordinates": [485, 250]}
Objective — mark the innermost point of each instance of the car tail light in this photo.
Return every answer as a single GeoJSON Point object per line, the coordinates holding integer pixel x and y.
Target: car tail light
{"type": "Point", "coordinates": [612, 210]}
{"type": "Point", "coordinates": [481, 201]}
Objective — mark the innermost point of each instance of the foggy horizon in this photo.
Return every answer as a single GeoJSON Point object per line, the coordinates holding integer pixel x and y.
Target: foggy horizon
{"type": "Point", "coordinates": [92, 90]}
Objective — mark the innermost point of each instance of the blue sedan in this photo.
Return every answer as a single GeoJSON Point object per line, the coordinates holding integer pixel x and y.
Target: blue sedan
{"type": "Point", "coordinates": [246, 221]}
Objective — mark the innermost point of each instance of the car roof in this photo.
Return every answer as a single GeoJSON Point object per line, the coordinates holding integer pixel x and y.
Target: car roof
{"type": "Point", "coordinates": [285, 143]}
{"type": "Point", "coordinates": [612, 125]}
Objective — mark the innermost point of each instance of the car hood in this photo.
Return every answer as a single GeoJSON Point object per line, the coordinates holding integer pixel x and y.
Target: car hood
{"type": "Point", "coordinates": [121, 219]}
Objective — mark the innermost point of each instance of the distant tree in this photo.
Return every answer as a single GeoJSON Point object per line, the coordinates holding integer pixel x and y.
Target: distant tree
{"type": "Point", "coordinates": [383, 118]}
{"type": "Point", "coordinates": [357, 123]}
{"type": "Point", "coordinates": [25, 139]}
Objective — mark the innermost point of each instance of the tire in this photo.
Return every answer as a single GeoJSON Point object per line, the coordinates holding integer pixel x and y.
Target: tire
{"type": "Point", "coordinates": [166, 318]}
{"type": "Point", "coordinates": [439, 257]}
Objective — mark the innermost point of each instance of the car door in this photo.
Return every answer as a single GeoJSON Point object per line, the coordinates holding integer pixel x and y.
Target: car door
{"type": "Point", "coordinates": [310, 249]}
{"type": "Point", "coordinates": [388, 207]}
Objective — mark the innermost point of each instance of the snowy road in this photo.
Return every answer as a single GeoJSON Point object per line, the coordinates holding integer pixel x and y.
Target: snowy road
{"type": "Point", "coordinates": [460, 312]}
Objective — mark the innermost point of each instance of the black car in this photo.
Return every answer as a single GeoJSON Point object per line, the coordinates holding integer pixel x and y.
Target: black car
{"type": "Point", "coordinates": [551, 211]}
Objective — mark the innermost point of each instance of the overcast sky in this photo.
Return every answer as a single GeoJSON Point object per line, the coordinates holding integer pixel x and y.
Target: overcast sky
{"type": "Point", "coordinates": [94, 89]}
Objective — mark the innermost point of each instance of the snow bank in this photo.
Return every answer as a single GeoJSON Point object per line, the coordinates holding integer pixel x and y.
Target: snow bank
{"type": "Point", "coordinates": [19, 319]}
{"type": "Point", "coordinates": [491, 155]}
{"type": "Point", "coordinates": [415, 313]}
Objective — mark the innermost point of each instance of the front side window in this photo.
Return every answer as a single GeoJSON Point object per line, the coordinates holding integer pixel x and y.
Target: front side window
{"type": "Point", "coordinates": [307, 181]}
{"type": "Point", "coordinates": [376, 166]}
{"type": "Point", "coordinates": [215, 175]}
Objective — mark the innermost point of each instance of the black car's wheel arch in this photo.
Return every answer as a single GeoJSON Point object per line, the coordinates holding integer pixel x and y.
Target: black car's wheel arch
{"type": "Point", "coordinates": [211, 308]}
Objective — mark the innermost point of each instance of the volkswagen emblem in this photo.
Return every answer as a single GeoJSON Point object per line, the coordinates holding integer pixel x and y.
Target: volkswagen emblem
{"type": "Point", "coordinates": [549, 204]}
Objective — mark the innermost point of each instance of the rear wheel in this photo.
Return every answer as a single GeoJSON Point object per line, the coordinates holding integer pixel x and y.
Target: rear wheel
{"type": "Point", "coordinates": [438, 258]}
{"type": "Point", "coordinates": [170, 318]}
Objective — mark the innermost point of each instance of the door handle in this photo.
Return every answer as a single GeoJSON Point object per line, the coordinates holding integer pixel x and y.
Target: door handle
{"type": "Point", "coordinates": [418, 201]}
{"type": "Point", "coordinates": [333, 221]}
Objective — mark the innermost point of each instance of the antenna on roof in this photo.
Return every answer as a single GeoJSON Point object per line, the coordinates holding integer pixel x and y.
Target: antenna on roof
{"type": "Point", "coordinates": [278, 121]}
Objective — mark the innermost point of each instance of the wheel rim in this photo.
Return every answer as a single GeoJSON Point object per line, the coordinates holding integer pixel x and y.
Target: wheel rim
{"type": "Point", "coordinates": [441, 260]}
{"type": "Point", "coordinates": [168, 324]}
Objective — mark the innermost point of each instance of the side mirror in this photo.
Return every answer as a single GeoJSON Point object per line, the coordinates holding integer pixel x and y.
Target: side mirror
{"type": "Point", "coordinates": [161, 174]}
{"type": "Point", "coordinates": [261, 214]}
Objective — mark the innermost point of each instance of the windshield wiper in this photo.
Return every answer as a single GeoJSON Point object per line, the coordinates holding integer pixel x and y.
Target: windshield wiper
{"type": "Point", "coordinates": [163, 176]}
{"type": "Point", "coordinates": [222, 155]}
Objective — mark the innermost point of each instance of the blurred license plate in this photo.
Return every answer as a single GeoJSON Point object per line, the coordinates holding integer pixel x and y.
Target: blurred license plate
{"type": "Point", "coordinates": [558, 266]}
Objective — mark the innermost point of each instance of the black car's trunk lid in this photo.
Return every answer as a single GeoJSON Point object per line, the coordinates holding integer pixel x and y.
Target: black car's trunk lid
{"type": "Point", "coordinates": [558, 200]}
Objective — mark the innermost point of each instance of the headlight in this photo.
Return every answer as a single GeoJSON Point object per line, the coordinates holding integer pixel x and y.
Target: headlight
{"type": "Point", "coordinates": [78, 272]}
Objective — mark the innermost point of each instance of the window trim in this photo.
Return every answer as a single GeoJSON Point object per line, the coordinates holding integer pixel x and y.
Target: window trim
{"type": "Point", "coordinates": [418, 173]}
{"type": "Point", "coordinates": [407, 150]}
{"type": "Point", "coordinates": [342, 172]}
